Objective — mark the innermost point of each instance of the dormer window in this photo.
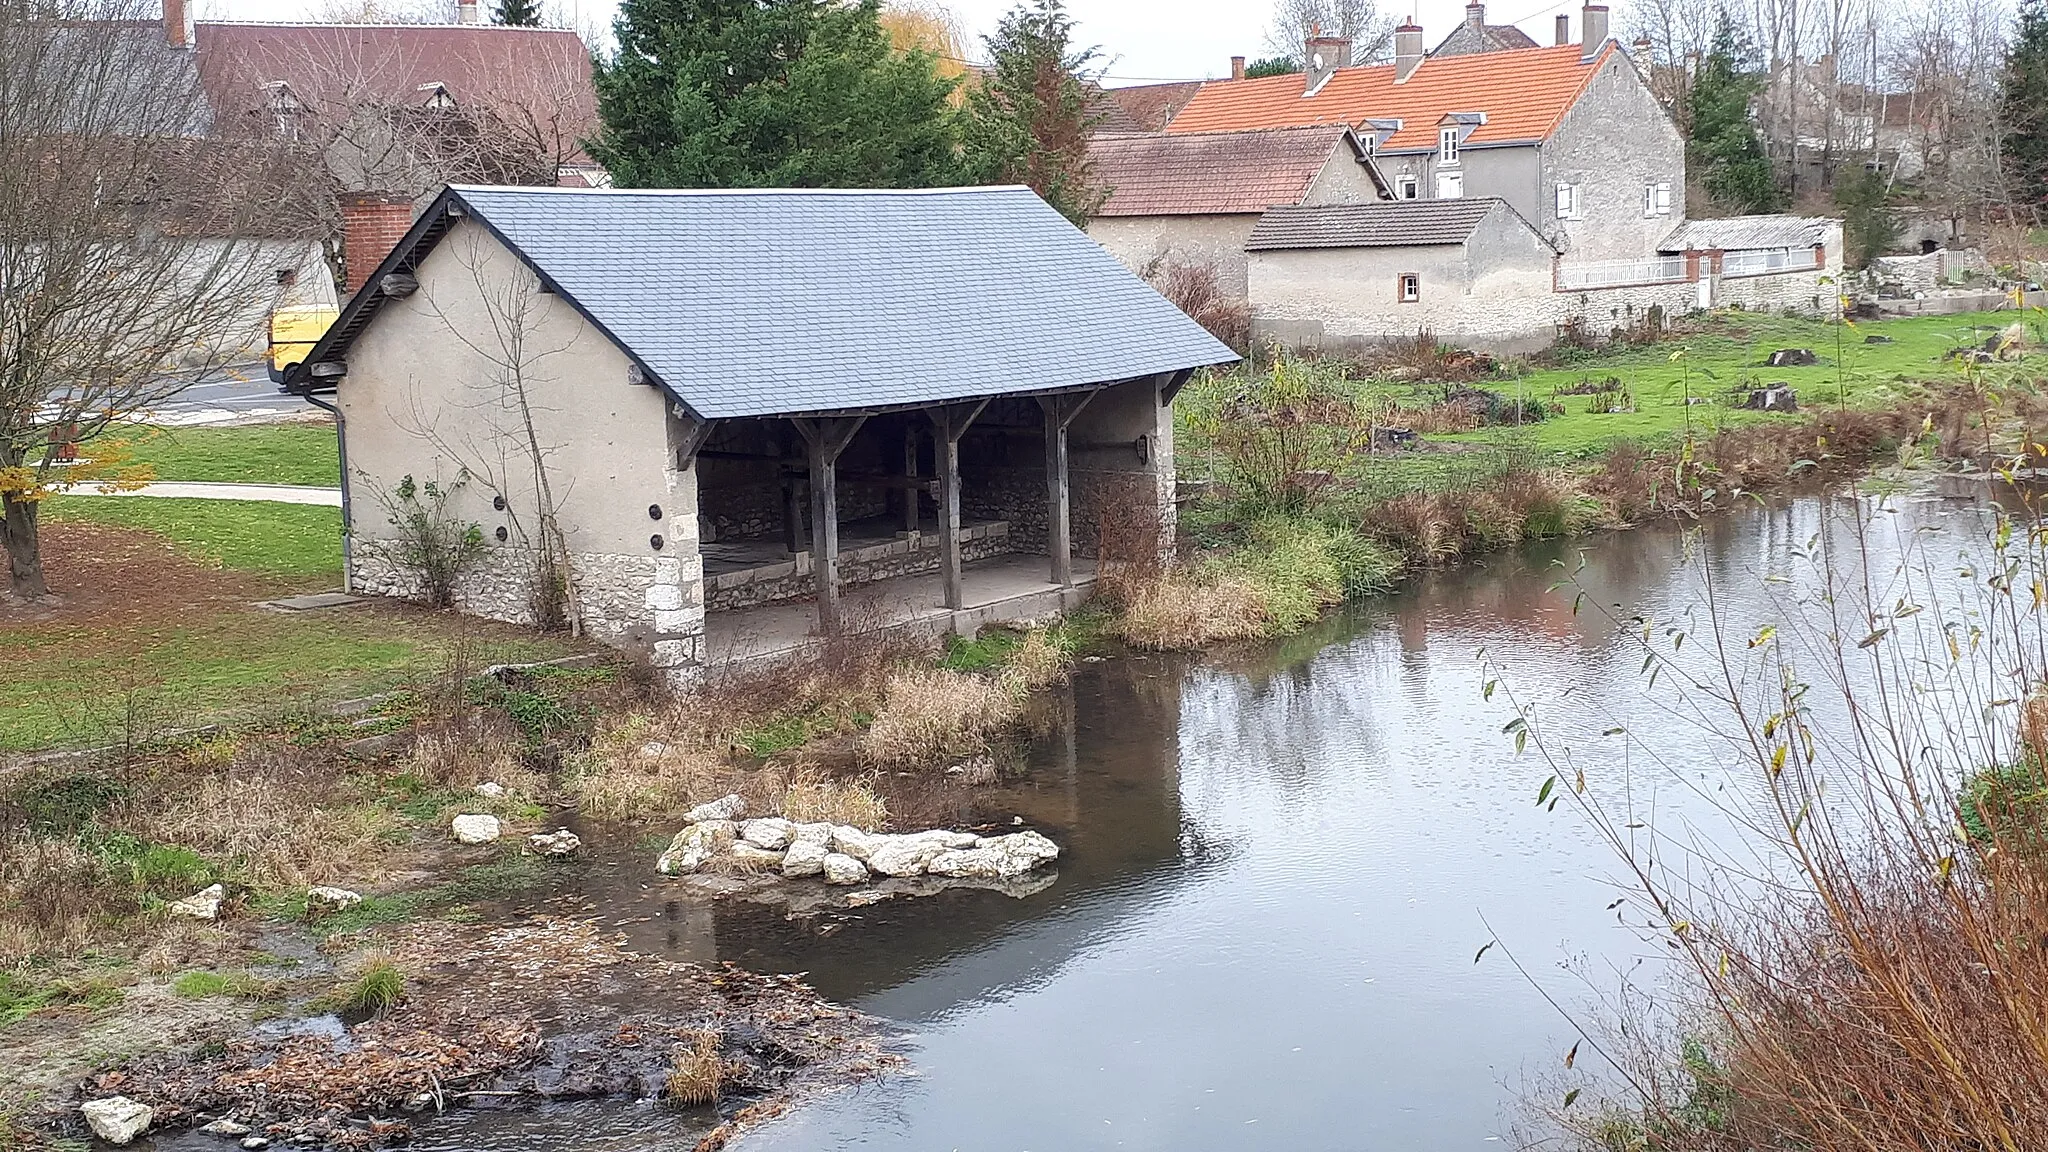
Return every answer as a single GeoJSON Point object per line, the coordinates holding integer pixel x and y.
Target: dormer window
{"type": "Point", "coordinates": [286, 112]}
{"type": "Point", "coordinates": [436, 96]}
{"type": "Point", "coordinates": [1447, 145]}
{"type": "Point", "coordinates": [1371, 144]}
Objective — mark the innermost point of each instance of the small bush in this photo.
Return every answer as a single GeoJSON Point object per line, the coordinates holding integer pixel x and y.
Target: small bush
{"type": "Point", "coordinates": [431, 545]}
{"type": "Point", "coordinates": [1196, 290]}
{"type": "Point", "coordinates": [1299, 567]}
{"type": "Point", "coordinates": [696, 1073]}
{"type": "Point", "coordinates": [376, 989]}
{"type": "Point", "coordinates": [813, 798]}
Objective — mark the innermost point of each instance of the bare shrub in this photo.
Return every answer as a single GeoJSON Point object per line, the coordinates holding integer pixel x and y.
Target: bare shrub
{"type": "Point", "coordinates": [1428, 527]}
{"type": "Point", "coordinates": [1284, 436]}
{"type": "Point", "coordinates": [431, 545]}
{"type": "Point", "coordinates": [1428, 358]}
{"type": "Point", "coordinates": [1178, 612]}
{"type": "Point", "coordinates": [813, 797]}
{"type": "Point", "coordinates": [696, 1074]}
{"type": "Point", "coordinates": [934, 714]}
{"type": "Point", "coordinates": [629, 773]}
{"type": "Point", "coordinates": [1196, 290]}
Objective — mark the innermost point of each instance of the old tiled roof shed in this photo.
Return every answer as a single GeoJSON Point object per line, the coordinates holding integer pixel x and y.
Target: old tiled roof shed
{"type": "Point", "coordinates": [1149, 107]}
{"type": "Point", "coordinates": [1213, 173]}
{"type": "Point", "coordinates": [1396, 224]}
{"type": "Point", "coordinates": [1524, 95]}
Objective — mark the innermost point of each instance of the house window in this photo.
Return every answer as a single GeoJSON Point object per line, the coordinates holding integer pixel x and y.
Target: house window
{"type": "Point", "coordinates": [1407, 188]}
{"type": "Point", "coordinates": [1447, 146]}
{"type": "Point", "coordinates": [1656, 199]}
{"type": "Point", "coordinates": [1371, 141]}
{"type": "Point", "coordinates": [286, 277]}
{"type": "Point", "coordinates": [1569, 206]}
{"type": "Point", "coordinates": [1409, 288]}
{"type": "Point", "coordinates": [1450, 185]}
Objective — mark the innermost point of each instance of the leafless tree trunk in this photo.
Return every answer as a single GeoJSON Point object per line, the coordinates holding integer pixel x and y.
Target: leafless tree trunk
{"type": "Point", "coordinates": [129, 246]}
{"type": "Point", "coordinates": [1370, 31]}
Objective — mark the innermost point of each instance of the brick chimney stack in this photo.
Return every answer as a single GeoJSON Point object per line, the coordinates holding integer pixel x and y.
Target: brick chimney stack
{"type": "Point", "coordinates": [1475, 14]}
{"type": "Point", "coordinates": [1237, 67]}
{"type": "Point", "coordinates": [372, 224]}
{"type": "Point", "coordinates": [1407, 50]}
{"type": "Point", "coordinates": [1324, 55]}
{"type": "Point", "coordinates": [1564, 29]}
{"type": "Point", "coordinates": [178, 31]}
{"type": "Point", "coordinates": [469, 12]}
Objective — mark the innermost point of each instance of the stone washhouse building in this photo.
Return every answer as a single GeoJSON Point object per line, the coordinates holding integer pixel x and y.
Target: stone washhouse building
{"type": "Point", "coordinates": [750, 417]}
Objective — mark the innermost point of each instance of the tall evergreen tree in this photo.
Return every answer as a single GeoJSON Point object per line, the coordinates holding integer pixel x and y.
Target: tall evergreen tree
{"type": "Point", "coordinates": [1028, 120]}
{"type": "Point", "coordinates": [1723, 144]}
{"type": "Point", "coordinates": [518, 13]}
{"type": "Point", "coordinates": [770, 93]}
{"type": "Point", "coordinates": [2024, 105]}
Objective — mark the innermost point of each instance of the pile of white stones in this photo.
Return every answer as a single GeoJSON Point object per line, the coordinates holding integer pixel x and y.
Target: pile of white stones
{"type": "Point", "coordinates": [841, 853]}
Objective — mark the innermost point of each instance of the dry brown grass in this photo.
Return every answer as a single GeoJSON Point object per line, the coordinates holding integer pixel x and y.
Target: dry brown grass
{"type": "Point", "coordinates": [1035, 664]}
{"type": "Point", "coordinates": [1428, 527]}
{"type": "Point", "coordinates": [696, 1074]}
{"type": "Point", "coordinates": [929, 715]}
{"type": "Point", "coordinates": [636, 768]}
{"type": "Point", "coordinates": [813, 797]}
{"type": "Point", "coordinates": [277, 822]}
{"type": "Point", "coordinates": [1180, 611]}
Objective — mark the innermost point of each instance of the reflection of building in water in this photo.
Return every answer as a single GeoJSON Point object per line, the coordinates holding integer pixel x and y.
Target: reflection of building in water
{"type": "Point", "coordinates": [1104, 784]}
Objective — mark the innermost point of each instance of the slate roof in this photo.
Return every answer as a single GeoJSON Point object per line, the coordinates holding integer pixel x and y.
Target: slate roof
{"type": "Point", "coordinates": [1207, 173]}
{"type": "Point", "coordinates": [1524, 95]}
{"type": "Point", "coordinates": [1388, 224]}
{"type": "Point", "coordinates": [1735, 233]}
{"type": "Point", "coordinates": [780, 302]}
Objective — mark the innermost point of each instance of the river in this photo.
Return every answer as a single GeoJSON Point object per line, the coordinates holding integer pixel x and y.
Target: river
{"type": "Point", "coordinates": [1279, 867]}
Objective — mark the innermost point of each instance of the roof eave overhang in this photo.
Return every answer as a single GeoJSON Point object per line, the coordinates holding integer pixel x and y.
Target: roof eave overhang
{"type": "Point", "coordinates": [1062, 390]}
{"type": "Point", "coordinates": [405, 256]}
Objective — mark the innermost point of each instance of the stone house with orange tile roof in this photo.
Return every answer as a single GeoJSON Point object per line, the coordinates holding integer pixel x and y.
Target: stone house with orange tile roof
{"type": "Point", "coordinates": [1194, 197]}
{"type": "Point", "coordinates": [1570, 135]}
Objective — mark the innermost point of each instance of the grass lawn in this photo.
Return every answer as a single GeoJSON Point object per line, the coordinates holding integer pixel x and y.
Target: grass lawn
{"type": "Point", "coordinates": [159, 627]}
{"type": "Point", "coordinates": [294, 542]}
{"type": "Point", "coordinates": [252, 454]}
{"type": "Point", "coordinates": [1721, 365]}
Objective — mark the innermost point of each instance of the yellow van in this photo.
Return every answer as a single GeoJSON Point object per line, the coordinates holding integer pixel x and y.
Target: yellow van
{"type": "Point", "coordinates": [293, 332]}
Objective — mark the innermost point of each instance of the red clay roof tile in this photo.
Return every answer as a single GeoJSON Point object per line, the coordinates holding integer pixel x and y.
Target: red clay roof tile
{"type": "Point", "coordinates": [1204, 173]}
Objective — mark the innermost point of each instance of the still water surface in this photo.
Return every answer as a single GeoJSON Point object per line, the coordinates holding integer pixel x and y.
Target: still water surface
{"type": "Point", "coordinates": [1278, 868]}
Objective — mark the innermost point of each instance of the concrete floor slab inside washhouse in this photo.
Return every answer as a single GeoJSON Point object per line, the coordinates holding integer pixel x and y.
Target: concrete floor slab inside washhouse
{"type": "Point", "coordinates": [997, 590]}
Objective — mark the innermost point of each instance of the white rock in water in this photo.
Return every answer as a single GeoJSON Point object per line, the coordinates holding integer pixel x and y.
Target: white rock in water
{"type": "Point", "coordinates": [254, 1143]}
{"type": "Point", "coordinates": [804, 858]}
{"type": "Point", "coordinates": [201, 905]}
{"type": "Point", "coordinates": [694, 845]}
{"type": "Point", "coordinates": [771, 832]}
{"type": "Point", "coordinates": [843, 869]}
{"type": "Point", "coordinates": [850, 841]}
{"type": "Point", "coordinates": [998, 858]}
{"type": "Point", "coordinates": [726, 808]}
{"type": "Point", "coordinates": [322, 898]}
{"type": "Point", "coordinates": [471, 828]}
{"type": "Point", "coordinates": [490, 788]}
{"type": "Point", "coordinates": [227, 1128]}
{"type": "Point", "coordinates": [754, 855]}
{"type": "Point", "coordinates": [907, 855]}
{"type": "Point", "coordinates": [561, 842]}
{"type": "Point", "coordinates": [116, 1119]}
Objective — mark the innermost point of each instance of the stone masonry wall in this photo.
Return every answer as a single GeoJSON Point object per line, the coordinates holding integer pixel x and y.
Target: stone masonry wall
{"type": "Point", "coordinates": [796, 580]}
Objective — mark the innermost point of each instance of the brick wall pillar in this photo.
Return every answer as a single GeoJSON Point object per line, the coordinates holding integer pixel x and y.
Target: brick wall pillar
{"type": "Point", "coordinates": [372, 223]}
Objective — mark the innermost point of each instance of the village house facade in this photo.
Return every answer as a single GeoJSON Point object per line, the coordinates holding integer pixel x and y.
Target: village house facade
{"type": "Point", "coordinates": [717, 413]}
{"type": "Point", "coordinates": [1570, 136]}
{"type": "Point", "coordinates": [1194, 197]}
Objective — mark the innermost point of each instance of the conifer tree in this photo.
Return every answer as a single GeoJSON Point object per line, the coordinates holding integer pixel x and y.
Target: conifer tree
{"type": "Point", "coordinates": [1030, 116]}
{"type": "Point", "coordinates": [519, 13]}
{"type": "Point", "coordinates": [1723, 145]}
{"type": "Point", "coordinates": [2024, 100]}
{"type": "Point", "coordinates": [770, 93]}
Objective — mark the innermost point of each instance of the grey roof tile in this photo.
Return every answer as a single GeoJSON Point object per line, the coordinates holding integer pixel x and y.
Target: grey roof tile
{"type": "Point", "coordinates": [1734, 233]}
{"type": "Point", "coordinates": [765, 302]}
{"type": "Point", "coordinates": [1385, 224]}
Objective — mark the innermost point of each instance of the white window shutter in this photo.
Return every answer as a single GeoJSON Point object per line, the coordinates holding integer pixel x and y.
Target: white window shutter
{"type": "Point", "coordinates": [1663, 199]}
{"type": "Point", "coordinates": [1564, 201]}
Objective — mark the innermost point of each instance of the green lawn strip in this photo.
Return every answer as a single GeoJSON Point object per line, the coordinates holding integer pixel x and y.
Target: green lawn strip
{"type": "Point", "coordinates": [252, 454]}
{"type": "Point", "coordinates": [296, 541]}
{"type": "Point", "coordinates": [86, 685]}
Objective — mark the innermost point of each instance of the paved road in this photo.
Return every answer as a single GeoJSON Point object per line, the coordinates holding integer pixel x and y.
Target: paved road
{"type": "Point", "coordinates": [275, 493]}
{"type": "Point", "coordinates": [241, 393]}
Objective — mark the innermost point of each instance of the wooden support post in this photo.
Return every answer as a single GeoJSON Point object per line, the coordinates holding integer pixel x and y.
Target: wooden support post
{"type": "Point", "coordinates": [827, 437]}
{"type": "Point", "coordinates": [695, 434]}
{"type": "Point", "coordinates": [949, 422]}
{"type": "Point", "coordinates": [910, 510]}
{"type": "Point", "coordinates": [1059, 537]}
{"type": "Point", "coordinates": [794, 537]}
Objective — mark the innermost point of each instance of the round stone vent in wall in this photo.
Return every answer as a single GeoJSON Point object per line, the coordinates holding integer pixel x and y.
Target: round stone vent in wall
{"type": "Point", "coordinates": [498, 502]}
{"type": "Point", "coordinates": [502, 534]}
{"type": "Point", "coordinates": [654, 511]}
{"type": "Point", "coordinates": [654, 542]}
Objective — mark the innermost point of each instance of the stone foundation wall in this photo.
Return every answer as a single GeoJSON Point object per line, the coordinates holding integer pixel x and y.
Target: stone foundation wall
{"type": "Point", "coordinates": [1014, 495]}
{"type": "Point", "coordinates": [795, 579]}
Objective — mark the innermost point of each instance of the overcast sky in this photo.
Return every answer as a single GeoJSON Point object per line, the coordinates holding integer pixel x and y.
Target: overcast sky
{"type": "Point", "coordinates": [1141, 39]}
